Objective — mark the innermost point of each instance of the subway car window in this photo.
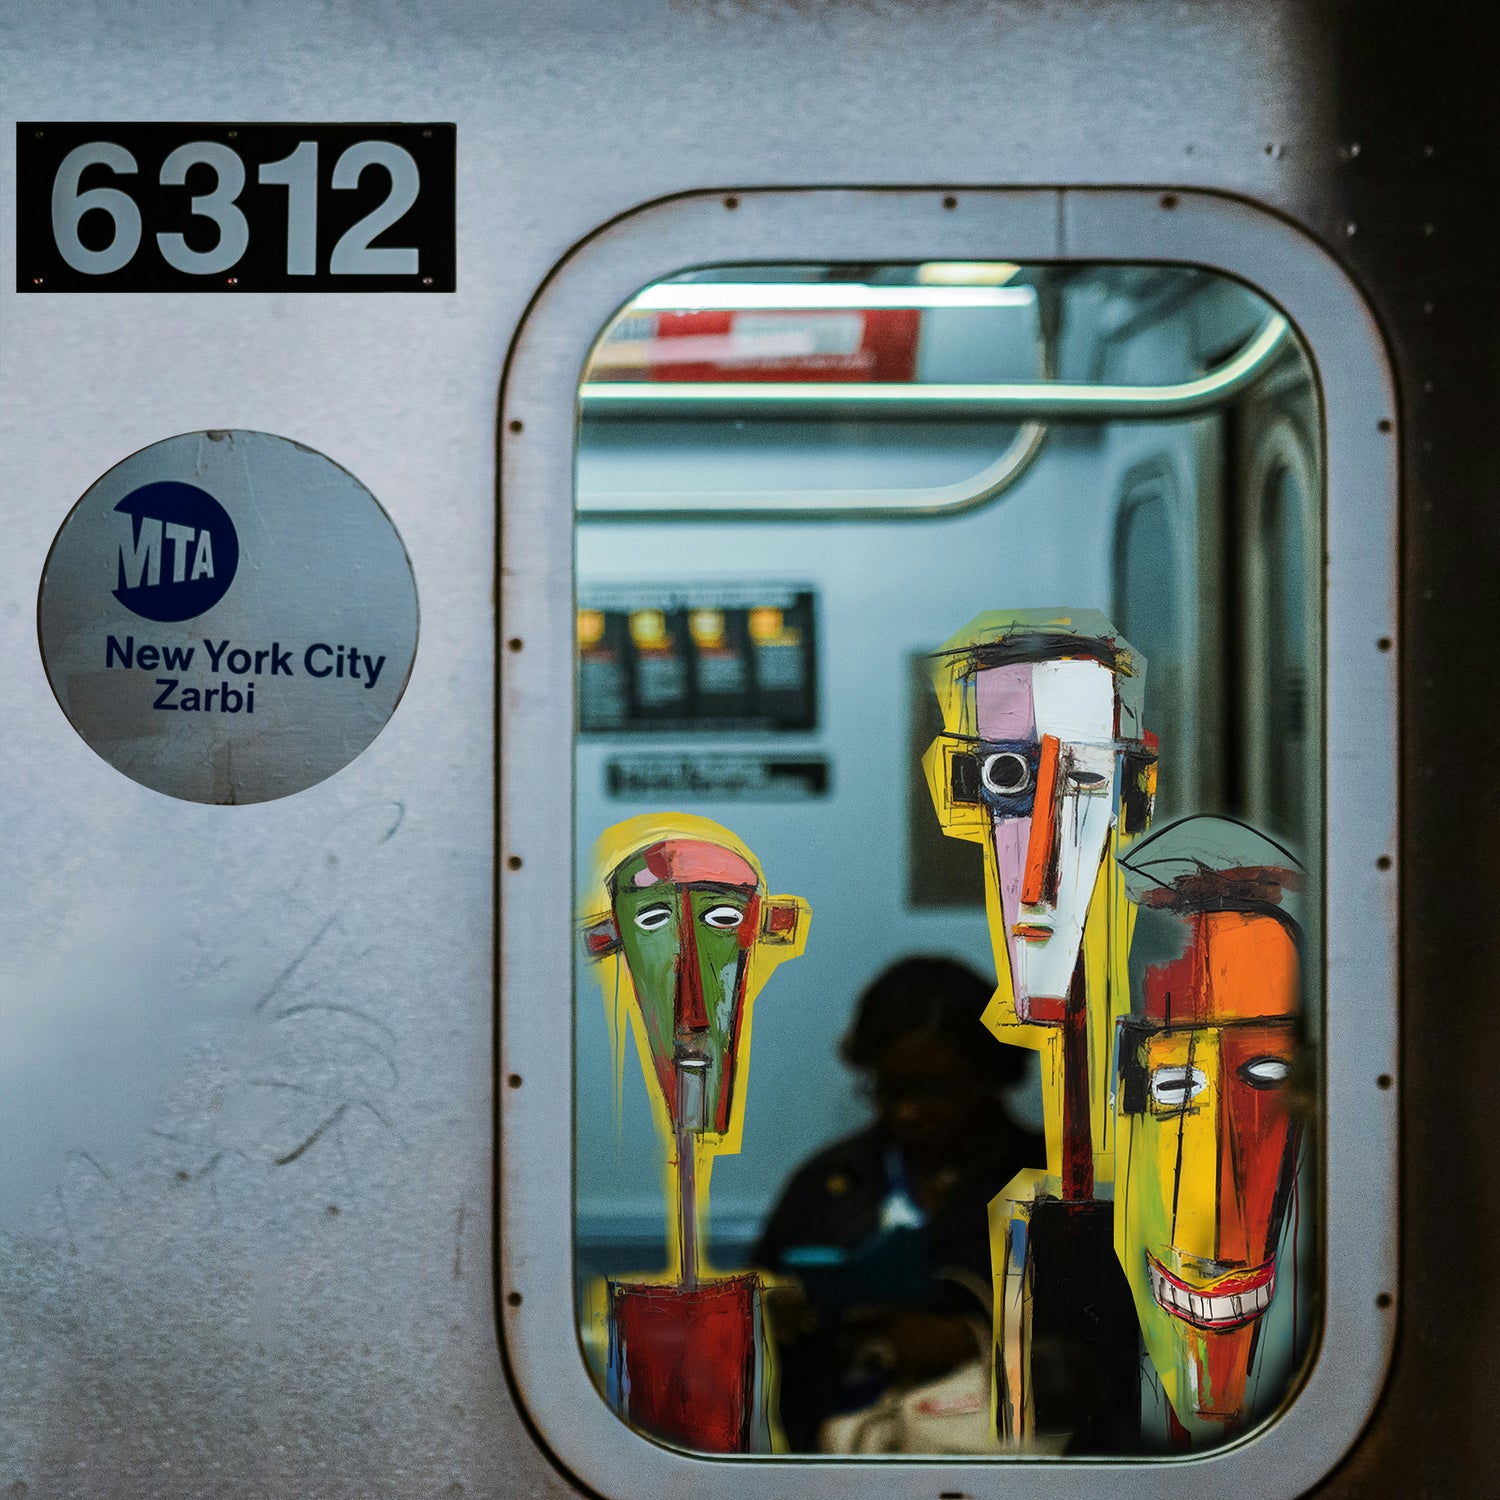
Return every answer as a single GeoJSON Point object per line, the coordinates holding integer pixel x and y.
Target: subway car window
{"type": "Point", "coordinates": [1151, 611]}
{"type": "Point", "coordinates": [1286, 629]}
{"type": "Point", "coordinates": [948, 839]}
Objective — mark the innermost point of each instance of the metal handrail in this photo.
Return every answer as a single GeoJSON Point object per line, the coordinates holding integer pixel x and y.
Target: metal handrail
{"type": "Point", "coordinates": [1037, 401]}
{"type": "Point", "coordinates": [811, 505]}
{"type": "Point", "coordinates": [1033, 404]}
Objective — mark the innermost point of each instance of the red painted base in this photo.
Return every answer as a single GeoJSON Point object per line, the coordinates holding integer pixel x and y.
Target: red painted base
{"type": "Point", "coordinates": [683, 1360]}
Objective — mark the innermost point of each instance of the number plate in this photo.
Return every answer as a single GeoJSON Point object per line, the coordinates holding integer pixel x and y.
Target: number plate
{"type": "Point", "coordinates": [234, 208]}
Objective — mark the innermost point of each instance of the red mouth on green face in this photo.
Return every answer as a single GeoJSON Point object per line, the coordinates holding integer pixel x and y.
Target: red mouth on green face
{"type": "Point", "coordinates": [1225, 1302]}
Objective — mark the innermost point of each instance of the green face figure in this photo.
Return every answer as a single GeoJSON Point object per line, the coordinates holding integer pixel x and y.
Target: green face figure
{"type": "Point", "coordinates": [687, 914]}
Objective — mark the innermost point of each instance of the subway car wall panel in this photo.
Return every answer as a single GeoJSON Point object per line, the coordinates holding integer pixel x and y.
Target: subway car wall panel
{"type": "Point", "coordinates": [686, 487]}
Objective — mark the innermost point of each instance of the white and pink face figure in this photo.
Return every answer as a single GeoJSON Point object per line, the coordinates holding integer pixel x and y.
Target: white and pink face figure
{"type": "Point", "coordinates": [1047, 765]}
{"type": "Point", "coordinates": [1042, 756]}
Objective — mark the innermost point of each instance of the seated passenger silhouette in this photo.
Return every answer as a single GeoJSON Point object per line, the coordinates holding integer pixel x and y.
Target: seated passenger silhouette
{"type": "Point", "coordinates": [883, 1237]}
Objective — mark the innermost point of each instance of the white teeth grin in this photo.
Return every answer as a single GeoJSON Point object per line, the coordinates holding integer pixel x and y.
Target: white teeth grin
{"type": "Point", "coordinates": [1224, 1311]}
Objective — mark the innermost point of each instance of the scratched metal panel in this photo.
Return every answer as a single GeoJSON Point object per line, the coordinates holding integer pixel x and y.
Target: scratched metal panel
{"type": "Point", "coordinates": [183, 1312]}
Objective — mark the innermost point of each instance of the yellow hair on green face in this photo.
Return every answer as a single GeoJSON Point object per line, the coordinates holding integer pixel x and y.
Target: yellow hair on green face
{"type": "Point", "coordinates": [771, 946]}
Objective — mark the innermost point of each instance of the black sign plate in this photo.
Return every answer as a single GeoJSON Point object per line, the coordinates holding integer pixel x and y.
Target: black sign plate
{"type": "Point", "coordinates": [717, 778]}
{"type": "Point", "coordinates": [234, 208]}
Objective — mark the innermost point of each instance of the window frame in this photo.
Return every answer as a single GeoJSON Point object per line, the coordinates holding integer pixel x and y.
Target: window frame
{"type": "Point", "coordinates": [537, 930]}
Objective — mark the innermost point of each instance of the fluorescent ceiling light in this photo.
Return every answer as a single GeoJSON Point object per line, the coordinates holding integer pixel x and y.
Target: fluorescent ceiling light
{"type": "Point", "coordinates": [966, 272]}
{"type": "Point", "coordinates": [736, 296]}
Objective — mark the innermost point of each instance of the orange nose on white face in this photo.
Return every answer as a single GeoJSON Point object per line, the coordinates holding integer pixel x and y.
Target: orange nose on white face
{"type": "Point", "coordinates": [1048, 862]}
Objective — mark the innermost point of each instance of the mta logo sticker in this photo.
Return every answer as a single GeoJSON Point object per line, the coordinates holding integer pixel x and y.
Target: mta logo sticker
{"type": "Point", "coordinates": [178, 551]}
{"type": "Point", "coordinates": [214, 674]}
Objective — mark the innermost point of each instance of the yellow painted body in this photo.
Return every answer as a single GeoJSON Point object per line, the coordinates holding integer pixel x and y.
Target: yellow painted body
{"type": "Point", "coordinates": [1105, 950]}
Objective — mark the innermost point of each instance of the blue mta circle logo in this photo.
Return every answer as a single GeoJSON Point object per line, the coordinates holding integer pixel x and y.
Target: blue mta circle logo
{"type": "Point", "coordinates": [179, 553]}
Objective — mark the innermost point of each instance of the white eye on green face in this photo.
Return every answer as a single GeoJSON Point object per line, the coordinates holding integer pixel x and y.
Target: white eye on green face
{"type": "Point", "coordinates": [1174, 1085]}
{"type": "Point", "coordinates": [654, 917]}
{"type": "Point", "coordinates": [724, 918]}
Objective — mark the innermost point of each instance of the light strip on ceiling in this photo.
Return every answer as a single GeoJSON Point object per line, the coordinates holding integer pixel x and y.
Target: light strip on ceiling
{"type": "Point", "coordinates": [798, 296]}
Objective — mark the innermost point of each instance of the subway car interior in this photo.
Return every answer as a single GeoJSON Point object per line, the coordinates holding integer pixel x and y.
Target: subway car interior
{"type": "Point", "coordinates": [765, 565]}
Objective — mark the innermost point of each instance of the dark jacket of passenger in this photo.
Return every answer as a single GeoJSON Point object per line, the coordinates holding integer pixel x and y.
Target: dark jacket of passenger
{"type": "Point", "coordinates": [826, 1231]}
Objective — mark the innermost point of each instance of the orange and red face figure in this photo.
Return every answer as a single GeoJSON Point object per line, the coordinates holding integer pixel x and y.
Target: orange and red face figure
{"type": "Point", "coordinates": [1206, 1132]}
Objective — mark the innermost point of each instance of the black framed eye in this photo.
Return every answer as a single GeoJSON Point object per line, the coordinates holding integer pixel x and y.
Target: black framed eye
{"type": "Point", "coordinates": [1176, 1085]}
{"type": "Point", "coordinates": [1265, 1072]}
{"type": "Point", "coordinates": [653, 918]}
{"type": "Point", "coordinates": [1136, 784]}
{"type": "Point", "coordinates": [1001, 774]}
{"type": "Point", "coordinates": [1005, 773]}
{"type": "Point", "coordinates": [964, 771]}
{"type": "Point", "coordinates": [723, 917]}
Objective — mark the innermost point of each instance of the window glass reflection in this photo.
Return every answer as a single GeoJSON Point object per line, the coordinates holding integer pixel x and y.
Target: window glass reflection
{"type": "Point", "coordinates": [990, 1167]}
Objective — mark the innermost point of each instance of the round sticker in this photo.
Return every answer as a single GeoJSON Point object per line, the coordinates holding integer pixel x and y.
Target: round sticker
{"type": "Point", "coordinates": [228, 617]}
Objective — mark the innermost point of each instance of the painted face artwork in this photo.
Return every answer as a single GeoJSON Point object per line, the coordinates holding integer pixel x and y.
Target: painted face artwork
{"type": "Point", "coordinates": [1042, 752]}
{"type": "Point", "coordinates": [1159, 978]}
{"type": "Point", "coordinates": [1207, 1135]}
{"type": "Point", "coordinates": [1048, 773]}
{"type": "Point", "coordinates": [688, 914]}
{"type": "Point", "coordinates": [683, 936]}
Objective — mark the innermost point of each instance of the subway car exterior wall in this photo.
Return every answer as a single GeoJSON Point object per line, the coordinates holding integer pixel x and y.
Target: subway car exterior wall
{"type": "Point", "coordinates": [206, 1292]}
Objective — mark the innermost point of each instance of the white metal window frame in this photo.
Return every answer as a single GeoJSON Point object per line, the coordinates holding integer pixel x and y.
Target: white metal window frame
{"type": "Point", "coordinates": [534, 1269]}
